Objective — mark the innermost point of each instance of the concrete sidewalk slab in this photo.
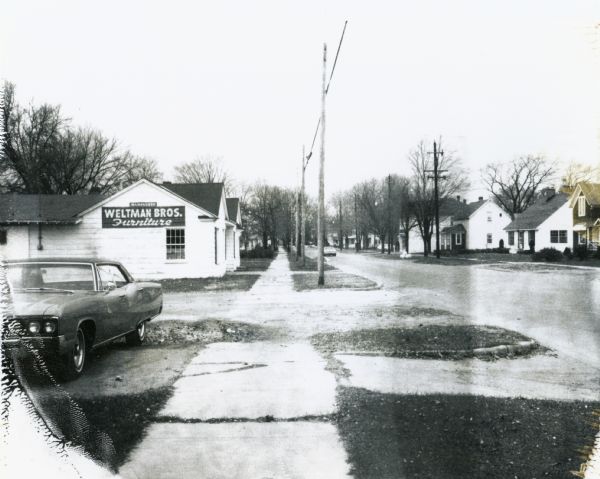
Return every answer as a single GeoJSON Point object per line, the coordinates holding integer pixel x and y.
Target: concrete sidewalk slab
{"type": "Point", "coordinates": [538, 377]}
{"type": "Point", "coordinates": [310, 450]}
{"type": "Point", "coordinates": [253, 380]}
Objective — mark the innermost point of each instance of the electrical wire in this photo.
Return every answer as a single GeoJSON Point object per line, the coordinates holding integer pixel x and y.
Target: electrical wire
{"type": "Point", "coordinates": [326, 91]}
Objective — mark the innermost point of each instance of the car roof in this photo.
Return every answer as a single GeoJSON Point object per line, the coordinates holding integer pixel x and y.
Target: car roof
{"type": "Point", "coordinates": [62, 260]}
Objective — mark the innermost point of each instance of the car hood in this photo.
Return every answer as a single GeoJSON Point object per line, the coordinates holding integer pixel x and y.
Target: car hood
{"type": "Point", "coordinates": [42, 302]}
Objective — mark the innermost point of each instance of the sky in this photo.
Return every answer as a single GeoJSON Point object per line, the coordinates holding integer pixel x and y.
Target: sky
{"type": "Point", "coordinates": [241, 79]}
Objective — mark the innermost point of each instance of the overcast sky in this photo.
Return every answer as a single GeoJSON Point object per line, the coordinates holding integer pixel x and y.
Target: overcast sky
{"type": "Point", "coordinates": [241, 79]}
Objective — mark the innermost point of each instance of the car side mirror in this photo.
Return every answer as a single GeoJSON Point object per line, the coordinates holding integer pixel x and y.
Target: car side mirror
{"type": "Point", "coordinates": [109, 286]}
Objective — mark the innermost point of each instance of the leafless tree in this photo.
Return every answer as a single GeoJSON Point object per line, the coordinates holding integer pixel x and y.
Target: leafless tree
{"type": "Point", "coordinates": [404, 200]}
{"type": "Point", "coordinates": [454, 180]}
{"type": "Point", "coordinates": [371, 200]}
{"type": "Point", "coordinates": [205, 169]}
{"type": "Point", "coordinates": [42, 153]}
{"type": "Point", "coordinates": [577, 172]}
{"type": "Point", "coordinates": [514, 184]}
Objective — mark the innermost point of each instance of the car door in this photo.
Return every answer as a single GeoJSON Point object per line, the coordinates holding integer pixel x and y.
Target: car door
{"type": "Point", "coordinates": [120, 299]}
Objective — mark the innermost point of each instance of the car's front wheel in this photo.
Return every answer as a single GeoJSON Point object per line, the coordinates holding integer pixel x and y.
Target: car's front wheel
{"type": "Point", "coordinates": [75, 360]}
{"type": "Point", "coordinates": [137, 337]}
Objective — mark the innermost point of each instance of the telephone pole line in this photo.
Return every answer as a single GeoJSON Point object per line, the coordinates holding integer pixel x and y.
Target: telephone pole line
{"type": "Point", "coordinates": [302, 213]}
{"type": "Point", "coordinates": [389, 213]}
{"type": "Point", "coordinates": [321, 210]}
{"type": "Point", "coordinates": [436, 177]}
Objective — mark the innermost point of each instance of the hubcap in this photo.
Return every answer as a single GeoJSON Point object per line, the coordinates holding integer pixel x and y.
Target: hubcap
{"type": "Point", "coordinates": [79, 351]}
{"type": "Point", "coordinates": [141, 329]}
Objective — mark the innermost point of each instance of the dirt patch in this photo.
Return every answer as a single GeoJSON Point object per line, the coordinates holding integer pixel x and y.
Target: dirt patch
{"type": "Point", "coordinates": [429, 341]}
{"type": "Point", "coordinates": [229, 282]}
{"type": "Point", "coordinates": [254, 264]}
{"type": "Point", "coordinates": [390, 436]}
{"type": "Point", "coordinates": [333, 280]}
{"type": "Point", "coordinates": [530, 267]}
{"type": "Point", "coordinates": [206, 331]}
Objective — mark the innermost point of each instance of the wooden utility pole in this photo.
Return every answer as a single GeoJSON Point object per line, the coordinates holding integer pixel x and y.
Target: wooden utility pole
{"type": "Point", "coordinates": [389, 214]}
{"type": "Point", "coordinates": [297, 237]}
{"type": "Point", "coordinates": [321, 210]}
{"type": "Point", "coordinates": [436, 177]}
{"type": "Point", "coordinates": [356, 243]}
{"type": "Point", "coordinates": [302, 213]}
{"type": "Point", "coordinates": [341, 230]}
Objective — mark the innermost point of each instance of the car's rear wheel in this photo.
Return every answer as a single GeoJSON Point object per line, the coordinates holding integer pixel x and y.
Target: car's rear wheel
{"type": "Point", "coordinates": [137, 337]}
{"type": "Point", "coordinates": [75, 360]}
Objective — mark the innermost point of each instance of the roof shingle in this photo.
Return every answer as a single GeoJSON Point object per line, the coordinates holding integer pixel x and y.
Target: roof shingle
{"type": "Point", "coordinates": [18, 208]}
{"type": "Point", "coordinates": [205, 195]}
{"type": "Point", "coordinates": [538, 212]}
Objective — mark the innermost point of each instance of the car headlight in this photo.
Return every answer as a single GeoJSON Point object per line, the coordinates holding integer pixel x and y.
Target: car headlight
{"type": "Point", "coordinates": [34, 327]}
{"type": "Point", "coordinates": [49, 327]}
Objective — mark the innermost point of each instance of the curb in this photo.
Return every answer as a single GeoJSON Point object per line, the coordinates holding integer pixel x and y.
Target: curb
{"type": "Point", "coordinates": [501, 351]}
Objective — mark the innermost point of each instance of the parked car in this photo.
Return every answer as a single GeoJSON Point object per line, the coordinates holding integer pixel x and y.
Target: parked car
{"type": "Point", "coordinates": [329, 251]}
{"type": "Point", "coordinates": [67, 307]}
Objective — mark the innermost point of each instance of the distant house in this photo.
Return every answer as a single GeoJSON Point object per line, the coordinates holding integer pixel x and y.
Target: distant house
{"type": "Point", "coordinates": [585, 203]}
{"type": "Point", "coordinates": [547, 223]}
{"type": "Point", "coordinates": [476, 225]}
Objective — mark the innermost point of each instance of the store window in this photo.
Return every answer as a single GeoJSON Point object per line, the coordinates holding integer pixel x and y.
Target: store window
{"type": "Point", "coordinates": [175, 243]}
{"type": "Point", "coordinates": [558, 236]}
{"type": "Point", "coordinates": [3, 236]}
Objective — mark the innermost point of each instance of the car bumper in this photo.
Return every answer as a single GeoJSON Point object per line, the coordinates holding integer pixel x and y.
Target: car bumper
{"type": "Point", "coordinates": [50, 345]}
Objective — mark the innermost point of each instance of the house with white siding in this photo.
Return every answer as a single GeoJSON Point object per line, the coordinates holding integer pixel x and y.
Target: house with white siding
{"type": "Point", "coordinates": [547, 223]}
{"type": "Point", "coordinates": [464, 225]}
{"type": "Point", "coordinates": [156, 230]}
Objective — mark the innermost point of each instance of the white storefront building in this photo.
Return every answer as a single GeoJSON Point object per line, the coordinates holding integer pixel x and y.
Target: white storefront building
{"type": "Point", "coordinates": [156, 230]}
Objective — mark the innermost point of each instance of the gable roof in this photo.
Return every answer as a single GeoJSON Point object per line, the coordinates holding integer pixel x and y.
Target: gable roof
{"type": "Point", "coordinates": [233, 205]}
{"type": "Point", "coordinates": [591, 191]}
{"type": "Point", "coordinates": [538, 212]}
{"type": "Point", "coordinates": [205, 195]}
{"type": "Point", "coordinates": [468, 209]}
{"type": "Point", "coordinates": [23, 209]}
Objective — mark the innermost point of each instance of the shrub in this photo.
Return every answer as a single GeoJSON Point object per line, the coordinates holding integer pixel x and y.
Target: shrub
{"type": "Point", "coordinates": [581, 252]}
{"type": "Point", "coordinates": [257, 252]}
{"type": "Point", "coordinates": [547, 254]}
{"type": "Point", "coordinates": [567, 253]}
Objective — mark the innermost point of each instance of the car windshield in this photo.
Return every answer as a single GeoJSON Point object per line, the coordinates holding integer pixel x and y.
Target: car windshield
{"type": "Point", "coordinates": [50, 276]}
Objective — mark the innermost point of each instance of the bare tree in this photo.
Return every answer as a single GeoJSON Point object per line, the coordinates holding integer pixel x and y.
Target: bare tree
{"type": "Point", "coordinates": [423, 188]}
{"type": "Point", "coordinates": [138, 167]}
{"type": "Point", "coordinates": [371, 200]}
{"type": "Point", "coordinates": [576, 173]}
{"type": "Point", "coordinates": [205, 169]}
{"type": "Point", "coordinates": [42, 153]}
{"type": "Point", "coordinates": [514, 184]}
{"type": "Point", "coordinates": [404, 200]}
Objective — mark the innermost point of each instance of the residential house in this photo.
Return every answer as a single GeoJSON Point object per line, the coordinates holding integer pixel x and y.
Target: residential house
{"type": "Point", "coordinates": [547, 223]}
{"type": "Point", "coordinates": [585, 204]}
{"type": "Point", "coordinates": [475, 225]}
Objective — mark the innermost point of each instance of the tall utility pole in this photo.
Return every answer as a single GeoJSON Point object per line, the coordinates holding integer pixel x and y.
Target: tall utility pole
{"type": "Point", "coordinates": [321, 210]}
{"type": "Point", "coordinates": [297, 236]}
{"type": "Point", "coordinates": [389, 213]}
{"type": "Point", "coordinates": [436, 177]}
{"type": "Point", "coordinates": [341, 231]}
{"type": "Point", "coordinates": [302, 213]}
{"type": "Point", "coordinates": [356, 245]}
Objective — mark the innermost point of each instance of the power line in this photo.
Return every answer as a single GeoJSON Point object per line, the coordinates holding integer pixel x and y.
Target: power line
{"type": "Point", "coordinates": [336, 56]}
{"type": "Point", "coordinates": [326, 91]}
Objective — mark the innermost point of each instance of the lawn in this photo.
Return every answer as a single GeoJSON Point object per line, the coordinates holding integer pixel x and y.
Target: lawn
{"type": "Point", "coordinates": [333, 280]}
{"type": "Point", "coordinates": [430, 341]}
{"type": "Point", "coordinates": [229, 282]}
{"type": "Point", "coordinates": [447, 436]}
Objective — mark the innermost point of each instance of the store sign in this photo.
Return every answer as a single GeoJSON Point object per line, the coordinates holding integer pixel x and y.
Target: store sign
{"type": "Point", "coordinates": [143, 217]}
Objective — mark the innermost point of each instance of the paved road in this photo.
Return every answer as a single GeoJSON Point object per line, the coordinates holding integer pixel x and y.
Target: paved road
{"type": "Point", "coordinates": [558, 307]}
